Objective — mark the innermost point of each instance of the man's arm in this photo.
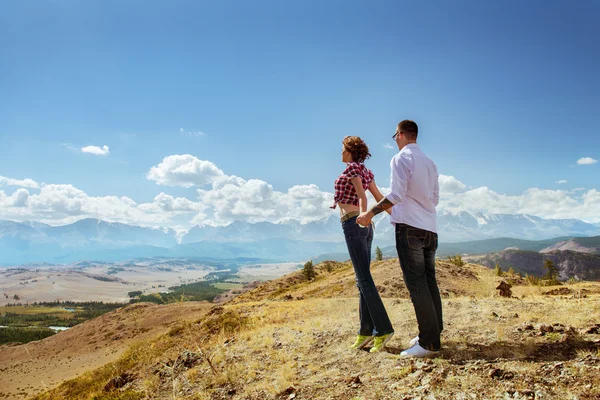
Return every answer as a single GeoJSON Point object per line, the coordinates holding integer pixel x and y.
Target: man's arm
{"type": "Point", "coordinates": [380, 207]}
{"type": "Point", "coordinates": [377, 194]}
{"type": "Point", "coordinates": [436, 192]}
{"type": "Point", "coordinates": [399, 183]}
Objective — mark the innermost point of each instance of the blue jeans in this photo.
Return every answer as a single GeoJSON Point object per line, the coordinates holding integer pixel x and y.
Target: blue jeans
{"type": "Point", "coordinates": [416, 252]}
{"type": "Point", "coordinates": [373, 317]}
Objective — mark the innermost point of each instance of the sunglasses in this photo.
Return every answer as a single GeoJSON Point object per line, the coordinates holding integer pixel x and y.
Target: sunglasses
{"type": "Point", "coordinates": [396, 135]}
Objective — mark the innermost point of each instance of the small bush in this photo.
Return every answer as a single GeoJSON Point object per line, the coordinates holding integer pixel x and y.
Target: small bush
{"type": "Point", "coordinates": [456, 260]}
{"type": "Point", "coordinates": [498, 270]}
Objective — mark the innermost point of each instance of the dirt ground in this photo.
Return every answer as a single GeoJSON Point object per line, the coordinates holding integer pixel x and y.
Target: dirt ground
{"type": "Point", "coordinates": [37, 366]}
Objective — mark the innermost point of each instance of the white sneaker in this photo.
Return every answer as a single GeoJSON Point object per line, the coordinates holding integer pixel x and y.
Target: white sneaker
{"type": "Point", "coordinates": [413, 341]}
{"type": "Point", "coordinates": [417, 351]}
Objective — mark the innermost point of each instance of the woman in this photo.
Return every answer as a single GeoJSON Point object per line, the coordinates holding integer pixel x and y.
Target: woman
{"type": "Point", "coordinates": [350, 195]}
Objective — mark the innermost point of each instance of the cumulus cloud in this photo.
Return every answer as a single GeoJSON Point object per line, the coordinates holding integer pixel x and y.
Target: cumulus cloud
{"type": "Point", "coordinates": [63, 204]}
{"type": "Point", "coordinates": [561, 182]}
{"type": "Point", "coordinates": [449, 184]}
{"type": "Point", "coordinates": [166, 203]}
{"type": "Point", "coordinates": [184, 170]}
{"type": "Point", "coordinates": [586, 161]}
{"type": "Point", "coordinates": [27, 183]}
{"type": "Point", "coordinates": [553, 204]}
{"type": "Point", "coordinates": [96, 150]}
{"type": "Point", "coordinates": [231, 198]}
{"type": "Point", "coordinates": [234, 198]}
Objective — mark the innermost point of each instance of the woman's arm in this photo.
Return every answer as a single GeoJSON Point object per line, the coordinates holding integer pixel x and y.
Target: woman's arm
{"type": "Point", "coordinates": [360, 192]}
{"type": "Point", "coordinates": [377, 194]}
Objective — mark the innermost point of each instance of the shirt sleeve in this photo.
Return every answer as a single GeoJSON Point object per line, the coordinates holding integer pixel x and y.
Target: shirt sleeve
{"type": "Point", "coordinates": [436, 188]}
{"type": "Point", "coordinates": [401, 167]}
{"type": "Point", "coordinates": [370, 177]}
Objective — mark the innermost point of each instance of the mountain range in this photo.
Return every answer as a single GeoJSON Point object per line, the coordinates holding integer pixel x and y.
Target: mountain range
{"type": "Point", "coordinates": [91, 239]}
{"type": "Point", "coordinates": [574, 258]}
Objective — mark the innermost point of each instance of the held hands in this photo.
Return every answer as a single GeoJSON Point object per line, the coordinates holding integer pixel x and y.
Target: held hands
{"type": "Point", "coordinates": [364, 218]}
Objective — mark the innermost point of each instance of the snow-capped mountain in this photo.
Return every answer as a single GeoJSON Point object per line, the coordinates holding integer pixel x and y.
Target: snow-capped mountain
{"type": "Point", "coordinates": [464, 226]}
{"type": "Point", "coordinates": [326, 230]}
{"type": "Point", "coordinates": [24, 242]}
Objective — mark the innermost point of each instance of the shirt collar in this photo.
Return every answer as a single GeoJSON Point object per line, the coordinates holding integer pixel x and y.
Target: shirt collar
{"type": "Point", "coordinates": [411, 146]}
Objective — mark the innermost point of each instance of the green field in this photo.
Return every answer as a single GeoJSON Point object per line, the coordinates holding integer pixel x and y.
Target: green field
{"type": "Point", "coordinates": [227, 285]}
{"type": "Point", "coordinates": [25, 323]}
{"type": "Point", "coordinates": [198, 291]}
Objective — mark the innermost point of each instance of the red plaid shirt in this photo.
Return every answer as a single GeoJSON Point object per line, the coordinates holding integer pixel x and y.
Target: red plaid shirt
{"type": "Point", "coordinates": [344, 189]}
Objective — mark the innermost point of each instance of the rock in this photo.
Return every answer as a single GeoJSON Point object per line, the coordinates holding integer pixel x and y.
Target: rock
{"type": "Point", "coordinates": [504, 289]}
{"type": "Point", "coordinates": [118, 382]}
{"type": "Point", "coordinates": [497, 373]}
{"type": "Point", "coordinates": [288, 392]}
{"type": "Point", "coordinates": [546, 329]}
{"type": "Point", "coordinates": [528, 327]}
{"type": "Point", "coordinates": [593, 330]}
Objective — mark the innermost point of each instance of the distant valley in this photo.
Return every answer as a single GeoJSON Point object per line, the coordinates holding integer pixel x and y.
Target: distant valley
{"type": "Point", "coordinates": [577, 258]}
{"type": "Point", "coordinates": [95, 240]}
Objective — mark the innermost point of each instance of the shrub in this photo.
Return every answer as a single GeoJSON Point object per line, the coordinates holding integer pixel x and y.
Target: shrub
{"type": "Point", "coordinates": [498, 270]}
{"type": "Point", "coordinates": [456, 260]}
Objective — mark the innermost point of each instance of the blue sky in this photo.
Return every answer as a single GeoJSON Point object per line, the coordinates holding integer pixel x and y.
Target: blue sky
{"type": "Point", "coordinates": [506, 94]}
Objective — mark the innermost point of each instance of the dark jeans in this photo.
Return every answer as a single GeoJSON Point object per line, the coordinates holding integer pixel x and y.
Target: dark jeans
{"type": "Point", "coordinates": [373, 317]}
{"type": "Point", "coordinates": [416, 252]}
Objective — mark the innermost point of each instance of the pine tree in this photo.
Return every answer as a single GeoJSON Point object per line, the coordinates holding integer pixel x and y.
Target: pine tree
{"type": "Point", "coordinates": [551, 271]}
{"type": "Point", "coordinates": [511, 271]}
{"type": "Point", "coordinates": [378, 254]}
{"type": "Point", "coordinates": [309, 271]}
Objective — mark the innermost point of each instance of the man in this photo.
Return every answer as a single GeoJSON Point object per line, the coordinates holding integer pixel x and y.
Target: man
{"type": "Point", "coordinates": [414, 196]}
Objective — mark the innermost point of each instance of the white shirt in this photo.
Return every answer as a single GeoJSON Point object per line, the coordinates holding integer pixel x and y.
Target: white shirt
{"type": "Point", "coordinates": [415, 189]}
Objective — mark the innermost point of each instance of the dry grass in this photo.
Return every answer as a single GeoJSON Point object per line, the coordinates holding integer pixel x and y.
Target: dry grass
{"type": "Point", "coordinates": [262, 346]}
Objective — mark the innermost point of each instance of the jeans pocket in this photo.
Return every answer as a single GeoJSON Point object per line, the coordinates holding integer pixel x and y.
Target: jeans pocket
{"type": "Point", "coordinates": [415, 238]}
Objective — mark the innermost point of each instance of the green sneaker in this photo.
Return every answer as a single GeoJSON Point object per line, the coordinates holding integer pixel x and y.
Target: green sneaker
{"type": "Point", "coordinates": [361, 341]}
{"type": "Point", "coordinates": [380, 342]}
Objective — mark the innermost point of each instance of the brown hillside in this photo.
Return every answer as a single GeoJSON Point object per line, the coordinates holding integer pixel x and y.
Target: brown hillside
{"type": "Point", "coordinates": [336, 279]}
{"type": "Point", "coordinates": [41, 365]}
{"type": "Point", "coordinates": [262, 346]}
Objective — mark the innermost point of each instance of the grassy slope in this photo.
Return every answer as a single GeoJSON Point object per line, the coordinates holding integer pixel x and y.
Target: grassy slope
{"type": "Point", "coordinates": [289, 336]}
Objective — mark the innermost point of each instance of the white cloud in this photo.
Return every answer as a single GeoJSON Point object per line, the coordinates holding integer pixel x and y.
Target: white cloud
{"type": "Point", "coordinates": [388, 146]}
{"type": "Point", "coordinates": [98, 151]}
{"type": "Point", "coordinates": [586, 161]}
{"type": "Point", "coordinates": [188, 133]}
{"type": "Point", "coordinates": [449, 184]}
{"type": "Point", "coordinates": [553, 204]}
{"type": "Point", "coordinates": [63, 204]}
{"type": "Point", "coordinates": [166, 203]}
{"type": "Point", "coordinates": [233, 198]}
{"type": "Point", "coordinates": [184, 170]}
{"type": "Point", "coordinates": [28, 183]}
{"type": "Point", "coordinates": [561, 182]}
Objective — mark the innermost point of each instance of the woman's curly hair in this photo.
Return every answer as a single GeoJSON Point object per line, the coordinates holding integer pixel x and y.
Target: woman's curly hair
{"type": "Point", "coordinates": [357, 148]}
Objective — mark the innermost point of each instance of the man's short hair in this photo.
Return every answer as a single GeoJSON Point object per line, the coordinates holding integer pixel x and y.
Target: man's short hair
{"type": "Point", "coordinates": [409, 128]}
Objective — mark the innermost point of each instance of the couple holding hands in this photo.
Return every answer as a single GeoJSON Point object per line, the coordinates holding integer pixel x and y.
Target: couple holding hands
{"type": "Point", "coordinates": [411, 205]}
